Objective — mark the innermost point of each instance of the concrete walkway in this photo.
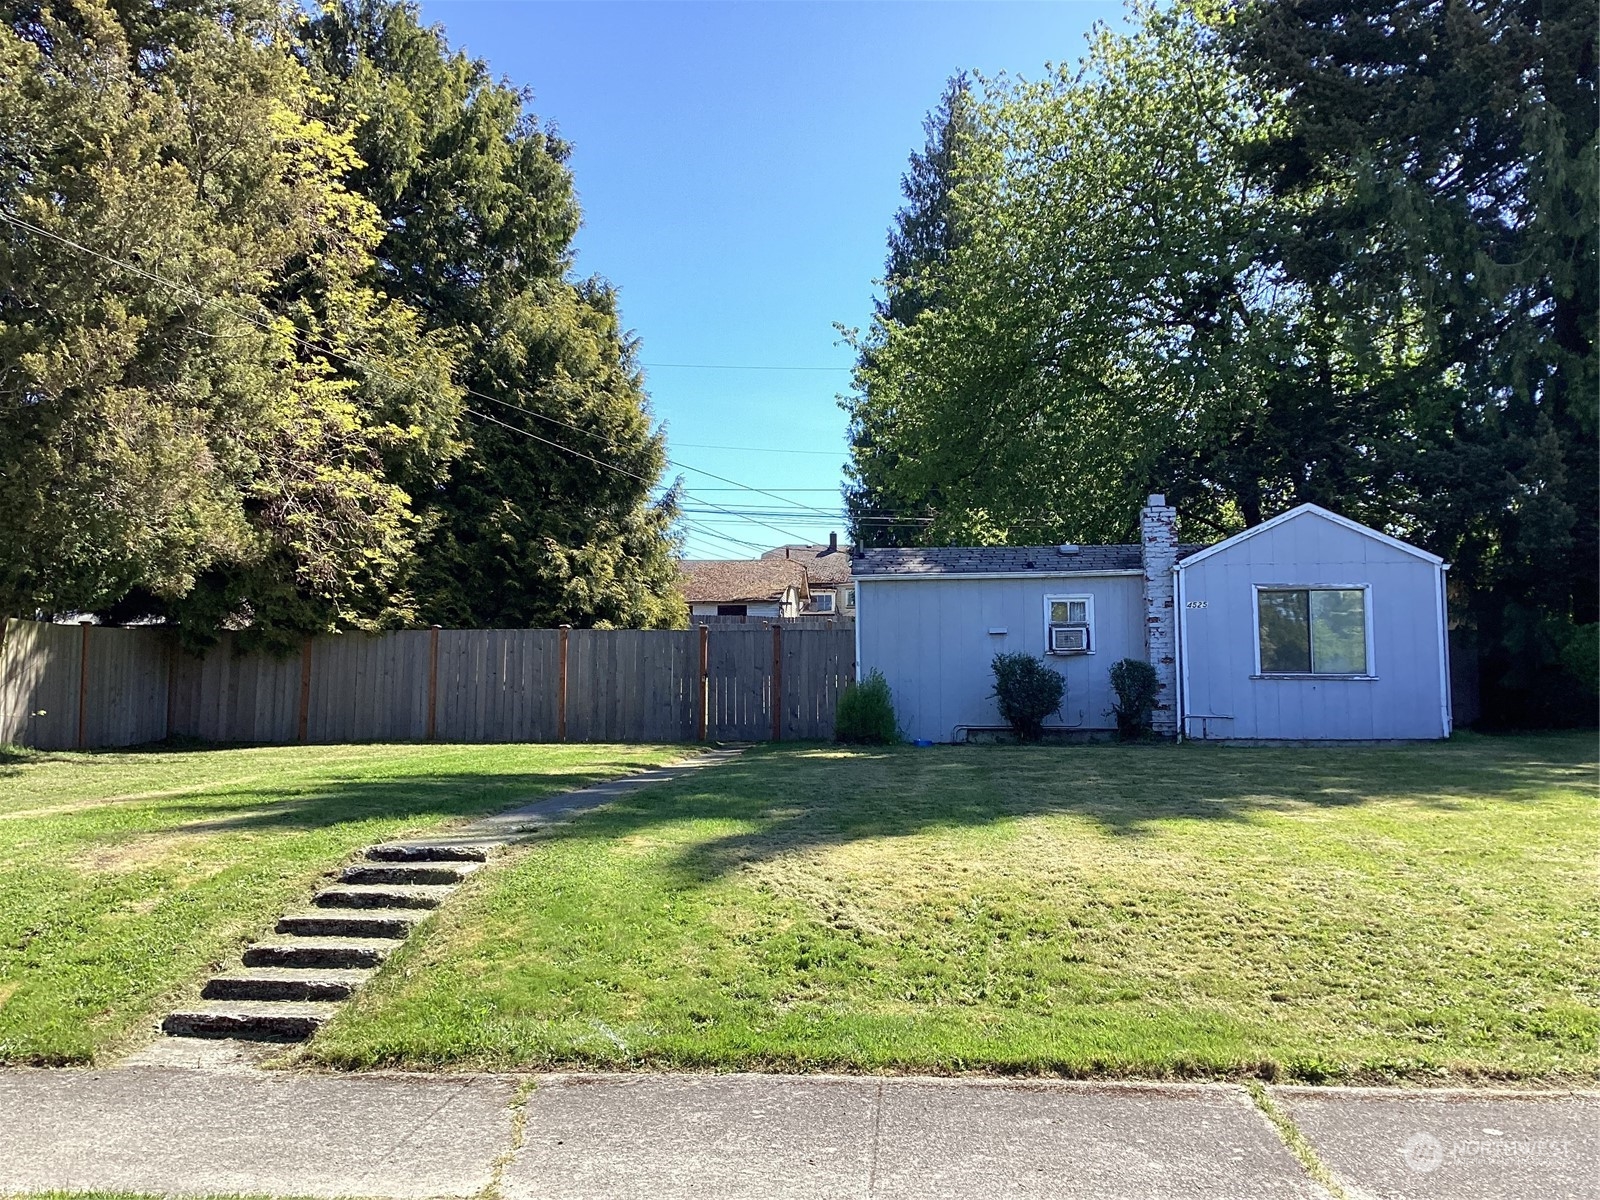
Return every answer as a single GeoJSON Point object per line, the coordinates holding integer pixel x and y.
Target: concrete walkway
{"type": "Point", "coordinates": [219, 1125]}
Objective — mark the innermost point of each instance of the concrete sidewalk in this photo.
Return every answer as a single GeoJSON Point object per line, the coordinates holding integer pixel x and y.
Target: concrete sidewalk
{"type": "Point", "coordinates": [200, 1129]}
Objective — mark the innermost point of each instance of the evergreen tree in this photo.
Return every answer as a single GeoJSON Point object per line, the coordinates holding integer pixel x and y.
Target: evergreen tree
{"type": "Point", "coordinates": [200, 451]}
{"type": "Point", "coordinates": [478, 217]}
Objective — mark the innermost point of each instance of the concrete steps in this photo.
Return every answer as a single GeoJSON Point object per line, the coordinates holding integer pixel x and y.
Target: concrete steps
{"type": "Point", "coordinates": [286, 983]}
{"type": "Point", "coordinates": [382, 895]}
{"type": "Point", "coordinates": [258, 1020]}
{"type": "Point", "coordinates": [414, 872]}
{"type": "Point", "coordinates": [293, 982]}
{"type": "Point", "coordinates": [394, 923]}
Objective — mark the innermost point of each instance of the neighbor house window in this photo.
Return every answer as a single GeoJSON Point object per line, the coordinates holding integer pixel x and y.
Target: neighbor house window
{"type": "Point", "coordinates": [849, 597]}
{"type": "Point", "coordinates": [1312, 631]}
{"type": "Point", "coordinates": [1069, 624]}
{"type": "Point", "coordinates": [822, 602]}
{"type": "Point", "coordinates": [732, 610]}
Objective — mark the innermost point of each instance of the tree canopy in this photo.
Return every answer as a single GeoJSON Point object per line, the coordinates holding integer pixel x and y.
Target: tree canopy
{"type": "Point", "coordinates": [252, 267]}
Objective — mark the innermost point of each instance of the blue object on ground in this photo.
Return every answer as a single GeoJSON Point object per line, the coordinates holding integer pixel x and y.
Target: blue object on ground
{"type": "Point", "coordinates": [922, 742]}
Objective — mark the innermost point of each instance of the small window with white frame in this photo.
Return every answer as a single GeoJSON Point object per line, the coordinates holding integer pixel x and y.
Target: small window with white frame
{"type": "Point", "coordinates": [1069, 624]}
{"type": "Point", "coordinates": [849, 598]}
{"type": "Point", "coordinates": [822, 602]}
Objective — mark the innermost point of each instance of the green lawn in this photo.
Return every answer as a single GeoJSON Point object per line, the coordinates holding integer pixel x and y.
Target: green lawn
{"type": "Point", "coordinates": [125, 876]}
{"type": "Point", "coordinates": [1425, 912]}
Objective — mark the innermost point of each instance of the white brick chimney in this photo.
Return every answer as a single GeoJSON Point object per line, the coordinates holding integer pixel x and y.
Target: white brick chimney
{"type": "Point", "coordinates": [1158, 541]}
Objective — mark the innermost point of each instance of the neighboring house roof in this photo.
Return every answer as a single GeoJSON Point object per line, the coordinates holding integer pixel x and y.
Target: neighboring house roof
{"type": "Point", "coordinates": [737, 581]}
{"type": "Point", "coordinates": [825, 566]}
{"type": "Point", "coordinates": [1002, 560]}
{"type": "Point", "coordinates": [1315, 510]}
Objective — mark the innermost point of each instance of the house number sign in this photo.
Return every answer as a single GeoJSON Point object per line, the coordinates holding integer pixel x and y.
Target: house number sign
{"type": "Point", "coordinates": [1194, 604]}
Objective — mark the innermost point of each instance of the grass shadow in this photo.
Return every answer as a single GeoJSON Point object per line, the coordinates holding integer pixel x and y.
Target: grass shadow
{"type": "Point", "coordinates": [799, 799]}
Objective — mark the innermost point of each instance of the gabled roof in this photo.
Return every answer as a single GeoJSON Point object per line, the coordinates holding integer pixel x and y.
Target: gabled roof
{"type": "Point", "coordinates": [824, 566]}
{"type": "Point", "coordinates": [736, 581]}
{"type": "Point", "coordinates": [1001, 560]}
{"type": "Point", "coordinates": [1312, 510]}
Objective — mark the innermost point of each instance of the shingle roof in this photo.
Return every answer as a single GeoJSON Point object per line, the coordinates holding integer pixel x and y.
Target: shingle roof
{"type": "Point", "coordinates": [1008, 560]}
{"type": "Point", "coordinates": [824, 566]}
{"type": "Point", "coordinates": [731, 581]}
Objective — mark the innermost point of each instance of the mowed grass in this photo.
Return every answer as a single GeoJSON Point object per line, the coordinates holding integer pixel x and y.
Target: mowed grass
{"type": "Point", "coordinates": [1422, 912]}
{"type": "Point", "coordinates": [125, 876]}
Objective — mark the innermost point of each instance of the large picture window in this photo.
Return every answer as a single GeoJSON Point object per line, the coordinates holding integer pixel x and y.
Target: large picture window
{"type": "Point", "coordinates": [1312, 631]}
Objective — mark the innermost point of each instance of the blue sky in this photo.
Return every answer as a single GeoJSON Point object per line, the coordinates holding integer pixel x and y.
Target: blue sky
{"type": "Point", "coordinates": [739, 165]}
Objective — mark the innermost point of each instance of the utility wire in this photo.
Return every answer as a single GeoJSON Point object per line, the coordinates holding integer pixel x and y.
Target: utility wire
{"type": "Point", "coordinates": [326, 351]}
{"type": "Point", "coordinates": [736, 367]}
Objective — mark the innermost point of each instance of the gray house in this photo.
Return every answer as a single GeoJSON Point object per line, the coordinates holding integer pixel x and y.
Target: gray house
{"type": "Point", "coordinates": [1308, 626]}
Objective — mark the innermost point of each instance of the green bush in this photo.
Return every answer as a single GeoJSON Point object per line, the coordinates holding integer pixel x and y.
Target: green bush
{"type": "Point", "coordinates": [866, 713]}
{"type": "Point", "coordinates": [1028, 691]}
{"type": "Point", "coordinates": [1135, 683]}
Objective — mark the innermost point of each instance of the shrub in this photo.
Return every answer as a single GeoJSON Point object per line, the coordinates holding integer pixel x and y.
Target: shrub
{"type": "Point", "coordinates": [1135, 683]}
{"type": "Point", "coordinates": [1028, 691]}
{"type": "Point", "coordinates": [866, 713]}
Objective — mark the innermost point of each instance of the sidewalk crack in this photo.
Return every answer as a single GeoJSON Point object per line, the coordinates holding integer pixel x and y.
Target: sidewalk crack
{"type": "Point", "coordinates": [1297, 1142]}
{"type": "Point", "coordinates": [877, 1128]}
{"type": "Point", "coordinates": [519, 1129]}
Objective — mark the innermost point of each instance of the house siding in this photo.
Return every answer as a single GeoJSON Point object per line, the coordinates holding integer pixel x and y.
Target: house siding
{"type": "Point", "coordinates": [930, 638]}
{"type": "Point", "coordinates": [1407, 698]}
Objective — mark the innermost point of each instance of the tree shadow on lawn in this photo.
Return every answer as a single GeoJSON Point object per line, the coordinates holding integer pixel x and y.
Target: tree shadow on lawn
{"type": "Point", "coordinates": [301, 805]}
{"type": "Point", "coordinates": [799, 799]}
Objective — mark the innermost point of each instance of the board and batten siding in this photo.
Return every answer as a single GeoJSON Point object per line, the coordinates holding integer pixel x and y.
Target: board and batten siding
{"type": "Point", "coordinates": [1224, 697]}
{"type": "Point", "coordinates": [929, 635]}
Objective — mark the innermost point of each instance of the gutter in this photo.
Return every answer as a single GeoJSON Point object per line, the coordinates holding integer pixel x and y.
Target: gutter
{"type": "Point", "coordinates": [913, 577]}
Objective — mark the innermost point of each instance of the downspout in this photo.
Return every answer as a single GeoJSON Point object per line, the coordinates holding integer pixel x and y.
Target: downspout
{"type": "Point", "coordinates": [1182, 651]}
{"type": "Point", "coordinates": [1446, 701]}
{"type": "Point", "coordinates": [861, 595]}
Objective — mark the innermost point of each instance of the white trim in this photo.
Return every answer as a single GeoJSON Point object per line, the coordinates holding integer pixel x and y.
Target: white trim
{"type": "Point", "coordinates": [860, 596]}
{"type": "Point", "coordinates": [909, 577]}
{"type": "Point", "coordinates": [1315, 510]}
{"type": "Point", "coordinates": [1088, 619]}
{"type": "Point", "coordinates": [1441, 604]}
{"type": "Point", "coordinates": [1366, 620]}
{"type": "Point", "coordinates": [1182, 651]}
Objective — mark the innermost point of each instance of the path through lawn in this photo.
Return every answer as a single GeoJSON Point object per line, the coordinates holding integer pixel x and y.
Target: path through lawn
{"type": "Point", "coordinates": [124, 876]}
{"type": "Point", "coordinates": [1422, 912]}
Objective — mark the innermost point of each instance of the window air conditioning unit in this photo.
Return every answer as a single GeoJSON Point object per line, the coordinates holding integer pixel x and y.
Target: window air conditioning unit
{"type": "Point", "coordinates": [1069, 639]}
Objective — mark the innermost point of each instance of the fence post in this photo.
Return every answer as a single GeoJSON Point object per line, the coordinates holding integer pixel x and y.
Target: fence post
{"type": "Point", "coordinates": [777, 681]}
{"type": "Point", "coordinates": [705, 681]}
{"type": "Point", "coordinates": [561, 696]}
{"type": "Point", "coordinates": [433, 682]}
{"type": "Point", "coordinates": [83, 684]}
{"type": "Point", "coordinates": [303, 725]}
{"type": "Point", "coordinates": [174, 649]}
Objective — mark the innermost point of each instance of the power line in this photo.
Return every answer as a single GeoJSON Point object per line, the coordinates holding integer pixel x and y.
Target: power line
{"type": "Point", "coordinates": [756, 450]}
{"type": "Point", "coordinates": [736, 367]}
{"type": "Point", "coordinates": [383, 369]}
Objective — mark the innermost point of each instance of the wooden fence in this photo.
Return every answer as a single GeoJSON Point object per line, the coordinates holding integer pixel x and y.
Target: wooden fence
{"type": "Point", "coordinates": [64, 686]}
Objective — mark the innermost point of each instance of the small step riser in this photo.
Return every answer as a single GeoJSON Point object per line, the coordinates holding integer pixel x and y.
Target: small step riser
{"type": "Point", "coordinates": [314, 956]}
{"type": "Point", "coordinates": [258, 1028]}
{"type": "Point", "coordinates": [403, 854]}
{"type": "Point", "coordinates": [224, 988]}
{"type": "Point", "coordinates": [403, 873]}
{"type": "Point", "coordinates": [318, 925]}
{"type": "Point", "coordinates": [350, 898]}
